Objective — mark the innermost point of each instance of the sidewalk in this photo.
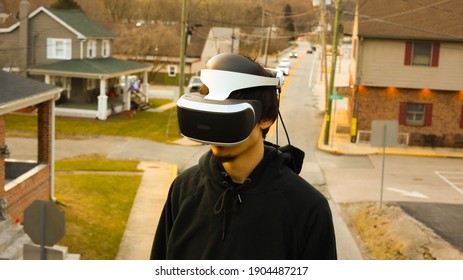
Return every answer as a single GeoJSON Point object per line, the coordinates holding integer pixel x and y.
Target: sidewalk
{"type": "Point", "coordinates": [340, 143]}
{"type": "Point", "coordinates": [147, 207]}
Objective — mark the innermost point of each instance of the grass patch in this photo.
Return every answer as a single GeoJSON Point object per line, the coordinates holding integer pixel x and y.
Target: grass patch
{"type": "Point", "coordinates": [96, 206]}
{"type": "Point", "coordinates": [158, 102]}
{"type": "Point", "coordinates": [159, 127]}
{"type": "Point", "coordinates": [95, 163]}
{"type": "Point", "coordinates": [375, 229]}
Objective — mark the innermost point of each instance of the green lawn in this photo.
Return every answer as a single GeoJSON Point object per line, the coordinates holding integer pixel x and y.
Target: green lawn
{"type": "Point", "coordinates": [96, 205]}
{"type": "Point", "coordinates": [159, 127]}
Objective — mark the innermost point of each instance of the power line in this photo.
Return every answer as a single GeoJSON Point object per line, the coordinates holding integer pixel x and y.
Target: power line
{"type": "Point", "coordinates": [366, 18]}
{"type": "Point", "coordinates": [405, 26]}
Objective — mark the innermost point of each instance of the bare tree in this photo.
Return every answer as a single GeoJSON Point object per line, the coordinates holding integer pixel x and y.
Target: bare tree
{"type": "Point", "coordinates": [119, 10]}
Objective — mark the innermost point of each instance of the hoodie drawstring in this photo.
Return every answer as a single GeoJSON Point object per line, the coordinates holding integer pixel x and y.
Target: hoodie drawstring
{"type": "Point", "coordinates": [220, 205]}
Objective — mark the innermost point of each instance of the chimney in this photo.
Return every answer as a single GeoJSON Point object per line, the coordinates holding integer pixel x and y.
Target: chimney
{"type": "Point", "coordinates": [23, 37]}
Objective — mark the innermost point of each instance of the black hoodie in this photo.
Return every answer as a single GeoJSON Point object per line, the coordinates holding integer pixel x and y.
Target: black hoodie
{"type": "Point", "coordinates": [275, 214]}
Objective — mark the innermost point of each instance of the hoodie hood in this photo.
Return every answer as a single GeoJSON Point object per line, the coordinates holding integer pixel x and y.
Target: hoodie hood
{"type": "Point", "coordinates": [275, 159]}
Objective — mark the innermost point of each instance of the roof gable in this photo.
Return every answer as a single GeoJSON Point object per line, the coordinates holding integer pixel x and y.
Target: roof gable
{"type": "Point", "coordinates": [426, 19]}
{"type": "Point", "coordinates": [74, 20]}
{"type": "Point", "coordinates": [77, 21]}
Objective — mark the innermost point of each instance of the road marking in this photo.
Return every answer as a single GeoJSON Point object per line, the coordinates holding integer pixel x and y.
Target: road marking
{"type": "Point", "coordinates": [407, 193]}
{"type": "Point", "coordinates": [450, 177]}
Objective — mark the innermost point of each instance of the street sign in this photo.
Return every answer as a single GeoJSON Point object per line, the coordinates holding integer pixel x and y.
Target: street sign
{"type": "Point", "coordinates": [44, 222]}
{"type": "Point", "coordinates": [336, 97]}
{"type": "Point", "coordinates": [384, 133]}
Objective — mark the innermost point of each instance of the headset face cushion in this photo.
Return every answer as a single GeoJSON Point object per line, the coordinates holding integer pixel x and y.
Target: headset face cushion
{"type": "Point", "coordinates": [223, 123]}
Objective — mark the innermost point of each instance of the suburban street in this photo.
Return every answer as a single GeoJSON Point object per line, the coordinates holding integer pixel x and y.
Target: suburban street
{"type": "Point", "coordinates": [342, 178]}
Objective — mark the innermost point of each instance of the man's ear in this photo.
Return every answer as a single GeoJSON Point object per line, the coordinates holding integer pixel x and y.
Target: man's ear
{"type": "Point", "coordinates": [265, 123]}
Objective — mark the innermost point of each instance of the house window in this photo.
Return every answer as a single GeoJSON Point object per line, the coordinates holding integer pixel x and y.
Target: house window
{"type": "Point", "coordinates": [172, 70]}
{"type": "Point", "coordinates": [415, 114]}
{"type": "Point", "coordinates": [59, 48]}
{"type": "Point", "coordinates": [422, 53]}
{"type": "Point", "coordinates": [91, 49]}
{"type": "Point", "coordinates": [106, 49]}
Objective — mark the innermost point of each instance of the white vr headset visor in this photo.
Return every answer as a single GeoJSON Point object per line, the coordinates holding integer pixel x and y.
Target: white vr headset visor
{"type": "Point", "coordinates": [214, 119]}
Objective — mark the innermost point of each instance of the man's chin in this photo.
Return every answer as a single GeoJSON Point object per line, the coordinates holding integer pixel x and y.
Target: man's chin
{"type": "Point", "coordinates": [222, 158]}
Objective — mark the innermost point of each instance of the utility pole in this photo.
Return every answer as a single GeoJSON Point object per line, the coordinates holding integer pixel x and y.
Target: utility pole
{"type": "Point", "coordinates": [262, 21]}
{"type": "Point", "coordinates": [267, 41]}
{"type": "Point", "coordinates": [184, 26]}
{"type": "Point", "coordinates": [333, 69]}
{"type": "Point", "coordinates": [323, 58]}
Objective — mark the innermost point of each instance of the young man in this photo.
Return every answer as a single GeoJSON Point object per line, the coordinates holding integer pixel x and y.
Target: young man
{"type": "Point", "coordinates": [244, 199]}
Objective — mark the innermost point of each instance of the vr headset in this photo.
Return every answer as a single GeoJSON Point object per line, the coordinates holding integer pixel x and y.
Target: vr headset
{"type": "Point", "coordinates": [214, 119]}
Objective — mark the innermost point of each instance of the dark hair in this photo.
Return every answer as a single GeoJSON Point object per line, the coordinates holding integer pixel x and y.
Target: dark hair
{"type": "Point", "coordinates": [267, 95]}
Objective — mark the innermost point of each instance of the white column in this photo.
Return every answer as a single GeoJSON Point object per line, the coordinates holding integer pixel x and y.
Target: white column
{"type": "Point", "coordinates": [47, 79]}
{"type": "Point", "coordinates": [146, 87]}
{"type": "Point", "coordinates": [126, 96]}
{"type": "Point", "coordinates": [102, 102]}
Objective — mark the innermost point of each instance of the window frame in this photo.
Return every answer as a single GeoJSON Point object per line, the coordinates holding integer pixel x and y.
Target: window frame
{"type": "Point", "coordinates": [415, 116]}
{"type": "Point", "coordinates": [172, 70]}
{"type": "Point", "coordinates": [91, 48]}
{"type": "Point", "coordinates": [404, 112]}
{"type": "Point", "coordinates": [106, 48]}
{"type": "Point", "coordinates": [57, 45]}
{"type": "Point", "coordinates": [410, 53]}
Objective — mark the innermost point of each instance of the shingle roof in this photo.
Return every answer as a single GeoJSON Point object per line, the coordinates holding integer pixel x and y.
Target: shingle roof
{"type": "Point", "coordinates": [97, 67]}
{"type": "Point", "coordinates": [81, 23]}
{"type": "Point", "coordinates": [424, 19]}
{"type": "Point", "coordinates": [14, 87]}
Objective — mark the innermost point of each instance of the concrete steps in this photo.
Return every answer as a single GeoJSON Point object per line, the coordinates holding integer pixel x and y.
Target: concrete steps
{"type": "Point", "coordinates": [14, 241]}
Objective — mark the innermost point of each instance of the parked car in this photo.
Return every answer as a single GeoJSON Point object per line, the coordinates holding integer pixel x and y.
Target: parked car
{"type": "Point", "coordinates": [284, 66]}
{"type": "Point", "coordinates": [285, 61]}
{"type": "Point", "coordinates": [293, 54]}
{"type": "Point", "coordinates": [194, 84]}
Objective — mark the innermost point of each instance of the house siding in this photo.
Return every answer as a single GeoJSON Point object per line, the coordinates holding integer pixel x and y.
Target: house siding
{"type": "Point", "coordinates": [43, 26]}
{"type": "Point", "coordinates": [383, 65]}
{"type": "Point", "coordinates": [9, 49]}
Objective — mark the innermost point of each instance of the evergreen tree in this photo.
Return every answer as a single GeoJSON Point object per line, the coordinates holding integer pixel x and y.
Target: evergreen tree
{"type": "Point", "coordinates": [288, 21]}
{"type": "Point", "coordinates": [66, 5]}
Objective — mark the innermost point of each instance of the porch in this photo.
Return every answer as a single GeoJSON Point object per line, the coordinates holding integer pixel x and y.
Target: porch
{"type": "Point", "coordinates": [92, 88]}
{"type": "Point", "coordinates": [82, 109]}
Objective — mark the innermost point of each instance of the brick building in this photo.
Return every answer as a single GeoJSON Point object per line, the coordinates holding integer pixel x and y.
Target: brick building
{"type": "Point", "coordinates": [406, 65]}
{"type": "Point", "coordinates": [22, 182]}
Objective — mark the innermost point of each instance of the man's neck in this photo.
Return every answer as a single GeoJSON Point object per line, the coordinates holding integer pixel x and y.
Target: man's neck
{"type": "Point", "coordinates": [241, 167]}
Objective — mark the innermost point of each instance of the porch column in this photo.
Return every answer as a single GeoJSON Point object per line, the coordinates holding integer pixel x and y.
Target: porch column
{"type": "Point", "coordinates": [126, 96]}
{"type": "Point", "coordinates": [102, 101]}
{"type": "Point", "coordinates": [47, 79]}
{"type": "Point", "coordinates": [146, 87]}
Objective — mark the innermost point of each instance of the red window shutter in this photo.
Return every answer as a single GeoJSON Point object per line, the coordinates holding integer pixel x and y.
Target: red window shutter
{"type": "Point", "coordinates": [461, 117]}
{"type": "Point", "coordinates": [403, 113]}
{"type": "Point", "coordinates": [428, 115]}
{"type": "Point", "coordinates": [408, 53]}
{"type": "Point", "coordinates": [435, 54]}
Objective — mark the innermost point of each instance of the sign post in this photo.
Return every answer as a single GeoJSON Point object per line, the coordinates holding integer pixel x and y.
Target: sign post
{"type": "Point", "coordinates": [44, 223]}
{"type": "Point", "coordinates": [384, 133]}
